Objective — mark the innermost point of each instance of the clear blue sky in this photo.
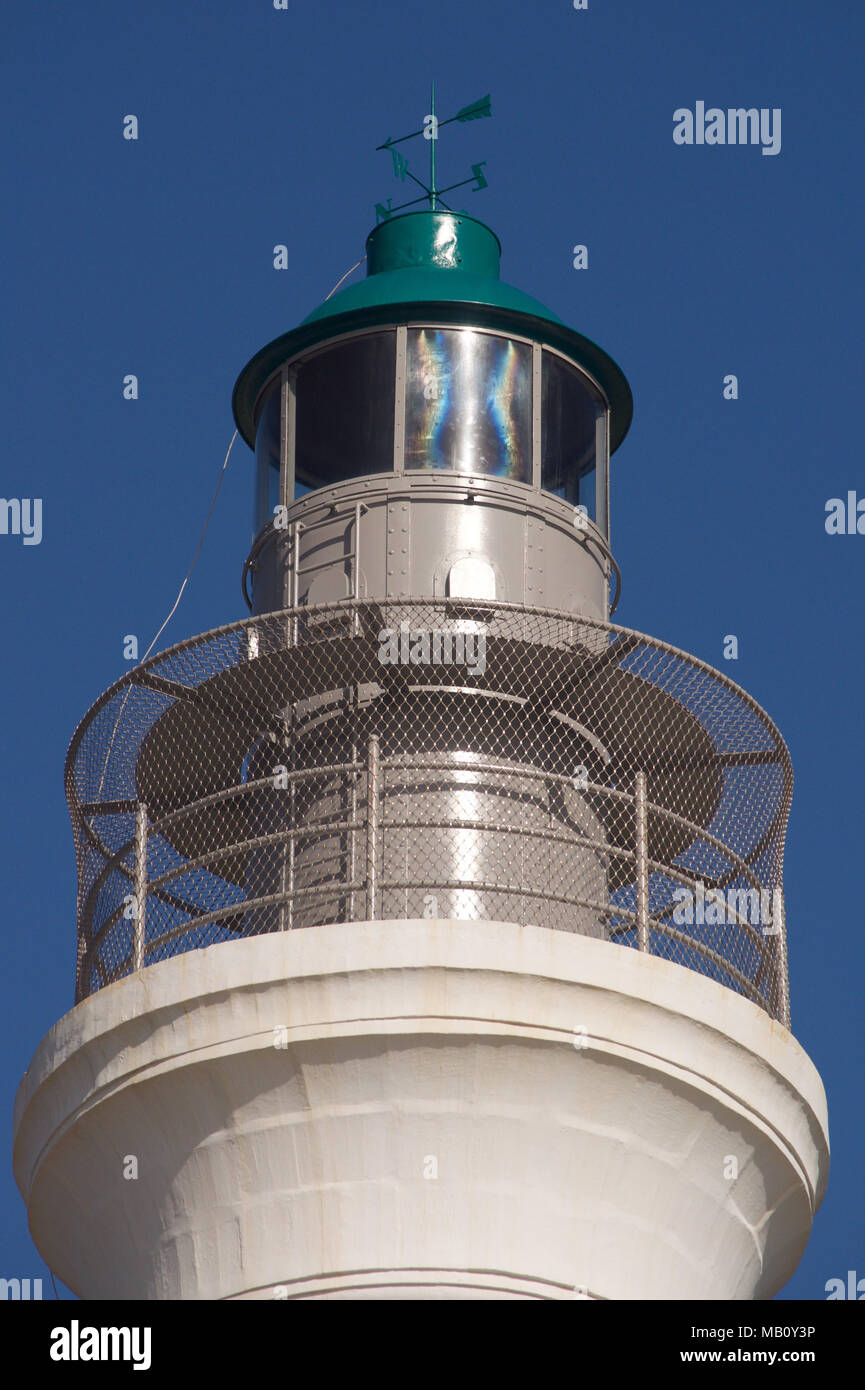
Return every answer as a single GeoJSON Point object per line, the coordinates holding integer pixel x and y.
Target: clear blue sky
{"type": "Point", "coordinates": [259, 127]}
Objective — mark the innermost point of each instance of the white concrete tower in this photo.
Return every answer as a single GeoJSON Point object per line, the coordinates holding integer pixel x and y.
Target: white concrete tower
{"type": "Point", "coordinates": [431, 938]}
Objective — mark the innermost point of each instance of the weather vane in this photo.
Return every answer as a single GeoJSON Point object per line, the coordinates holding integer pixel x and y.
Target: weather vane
{"type": "Point", "coordinates": [429, 130]}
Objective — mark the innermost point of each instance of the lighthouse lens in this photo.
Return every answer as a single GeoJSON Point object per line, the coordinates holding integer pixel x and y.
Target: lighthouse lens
{"type": "Point", "coordinates": [468, 403]}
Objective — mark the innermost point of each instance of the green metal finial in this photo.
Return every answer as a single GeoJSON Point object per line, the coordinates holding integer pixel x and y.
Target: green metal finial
{"type": "Point", "coordinates": [429, 130]}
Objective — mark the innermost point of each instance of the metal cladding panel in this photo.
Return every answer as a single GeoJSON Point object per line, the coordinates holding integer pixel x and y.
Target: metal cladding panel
{"type": "Point", "coordinates": [405, 536]}
{"type": "Point", "coordinates": [476, 835]}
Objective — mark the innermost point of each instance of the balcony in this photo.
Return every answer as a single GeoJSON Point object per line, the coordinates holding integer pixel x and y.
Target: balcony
{"type": "Point", "coordinates": [402, 759]}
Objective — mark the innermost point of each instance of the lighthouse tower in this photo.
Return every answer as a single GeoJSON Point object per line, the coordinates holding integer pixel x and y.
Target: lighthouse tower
{"type": "Point", "coordinates": [431, 939]}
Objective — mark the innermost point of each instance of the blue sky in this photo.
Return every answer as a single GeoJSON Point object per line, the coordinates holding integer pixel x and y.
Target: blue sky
{"type": "Point", "coordinates": [258, 127]}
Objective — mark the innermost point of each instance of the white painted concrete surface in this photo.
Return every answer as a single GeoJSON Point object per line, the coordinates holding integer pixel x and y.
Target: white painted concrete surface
{"type": "Point", "coordinates": [433, 1127]}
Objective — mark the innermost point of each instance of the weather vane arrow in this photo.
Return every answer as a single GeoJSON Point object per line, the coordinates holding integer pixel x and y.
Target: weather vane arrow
{"type": "Point", "coordinates": [475, 111]}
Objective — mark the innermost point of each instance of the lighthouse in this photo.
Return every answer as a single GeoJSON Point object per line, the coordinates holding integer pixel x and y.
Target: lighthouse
{"type": "Point", "coordinates": [431, 926]}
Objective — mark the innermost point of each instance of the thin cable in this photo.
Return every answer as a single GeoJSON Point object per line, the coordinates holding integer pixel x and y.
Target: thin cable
{"type": "Point", "coordinates": [174, 606]}
{"type": "Point", "coordinates": [345, 277]}
{"type": "Point", "coordinates": [201, 543]}
{"type": "Point", "coordinates": [53, 1285]}
{"type": "Point", "coordinates": [170, 615]}
{"type": "Point", "coordinates": [198, 551]}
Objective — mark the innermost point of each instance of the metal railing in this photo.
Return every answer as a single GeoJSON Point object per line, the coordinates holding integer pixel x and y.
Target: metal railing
{"type": "Point", "coordinates": [277, 775]}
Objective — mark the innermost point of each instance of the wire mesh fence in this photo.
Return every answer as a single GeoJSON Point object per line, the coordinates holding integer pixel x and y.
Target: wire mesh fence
{"type": "Point", "coordinates": [447, 759]}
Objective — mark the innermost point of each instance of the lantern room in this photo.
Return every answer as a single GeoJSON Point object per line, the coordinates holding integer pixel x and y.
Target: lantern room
{"type": "Point", "coordinates": [432, 386]}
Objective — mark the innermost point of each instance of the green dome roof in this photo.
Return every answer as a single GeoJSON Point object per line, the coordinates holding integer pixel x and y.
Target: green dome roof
{"type": "Point", "coordinates": [443, 267]}
{"type": "Point", "coordinates": [428, 286]}
{"type": "Point", "coordinates": [424, 257]}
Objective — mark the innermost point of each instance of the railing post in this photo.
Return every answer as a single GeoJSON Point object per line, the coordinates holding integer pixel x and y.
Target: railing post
{"type": "Point", "coordinates": [641, 858]}
{"type": "Point", "coordinates": [82, 950]}
{"type": "Point", "coordinates": [294, 581]}
{"type": "Point", "coordinates": [288, 914]}
{"type": "Point", "coordinates": [289, 868]}
{"type": "Point", "coordinates": [355, 576]}
{"type": "Point", "coordinates": [289, 856]}
{"type": "Point", "coordinates": [373, 796]}
{"type": "Point", "coordinates": [780, 926]}
{"type": "Point", "coordinates": [352, 835]}
{"type": "Point", "coordinates": [140, 883]}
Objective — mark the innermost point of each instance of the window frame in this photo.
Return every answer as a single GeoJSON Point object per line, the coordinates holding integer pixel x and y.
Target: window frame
{"type": "Point", "coordinates": [287, 372]}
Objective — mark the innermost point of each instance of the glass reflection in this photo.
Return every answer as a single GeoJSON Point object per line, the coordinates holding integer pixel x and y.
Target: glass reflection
{"type": "Point", "coordinates": [468, 403]}
{"type": "Point", "coordinates": [345, 408]}
{"type": "Point", "coordinates": [569, 428]}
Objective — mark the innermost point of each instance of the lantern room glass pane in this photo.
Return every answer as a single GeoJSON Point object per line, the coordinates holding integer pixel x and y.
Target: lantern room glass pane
{"type": "Point", "coordinates": [570, 412]}
{"type": "Point", "coordinates": [267, 448]}
{"type": "Point", "coordinates": [468, 403]}
{"type": "Point", "coordinates": [344, 411]}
